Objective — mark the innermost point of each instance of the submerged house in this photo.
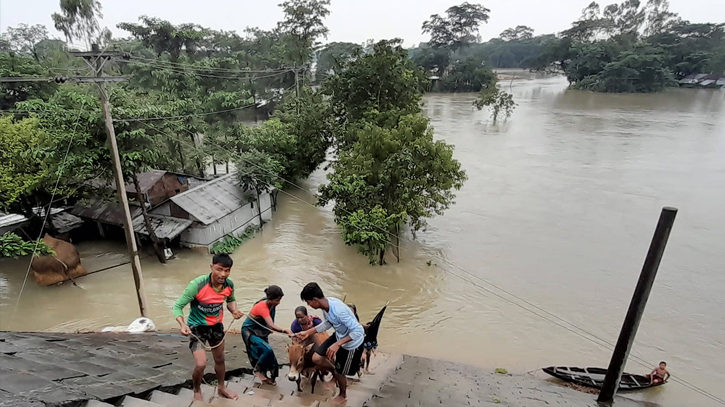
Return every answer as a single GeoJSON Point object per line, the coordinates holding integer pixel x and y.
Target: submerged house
{"type": "Point", "coordinates": [215, 209]}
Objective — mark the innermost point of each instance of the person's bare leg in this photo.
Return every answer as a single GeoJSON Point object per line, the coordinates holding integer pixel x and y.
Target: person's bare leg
{"type": "Point", "coordinates": [325, 363]}
{"type": "Point", "coordinates": [221, 372]}
{"type": "Point", "coordinates": [198, 375]}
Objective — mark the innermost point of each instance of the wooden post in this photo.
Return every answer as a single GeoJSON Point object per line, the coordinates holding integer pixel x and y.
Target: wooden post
{"type": "Point", "coordinates": [637, 305]}
{"type": "Point", "coordinates": [120, 188]}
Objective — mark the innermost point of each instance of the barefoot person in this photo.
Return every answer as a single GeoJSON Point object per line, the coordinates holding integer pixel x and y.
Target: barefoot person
{"type": "Point", "coordinates": [341, 353]}
{"type": "Point", "coordinates": [207, 295]}
{"type": "Point", "coordinates": [659, 374]}
{"type": "Point", "coordinates": [255, 333]}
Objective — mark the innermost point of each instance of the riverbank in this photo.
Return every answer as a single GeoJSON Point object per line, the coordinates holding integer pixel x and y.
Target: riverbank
{"type": "Point", "coordinates": [57, 369]}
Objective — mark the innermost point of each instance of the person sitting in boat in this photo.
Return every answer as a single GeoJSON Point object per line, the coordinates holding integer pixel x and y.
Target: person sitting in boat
{"type": "Point", "coordinates": [303, 321]}
{"type": "Point", "coordinates": [659, 374]}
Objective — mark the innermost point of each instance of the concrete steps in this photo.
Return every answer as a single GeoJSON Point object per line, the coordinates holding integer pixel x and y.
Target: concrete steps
{"type": "Point", "coordinates": [96, 403]}
{"type": "Point", "coordinates": [129, 401]}
{"type": "Point", "coordinates": [252, 393]}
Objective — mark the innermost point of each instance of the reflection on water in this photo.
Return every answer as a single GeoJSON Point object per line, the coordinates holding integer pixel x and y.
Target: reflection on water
{"type": "Point", "coordinates": [559, 209]}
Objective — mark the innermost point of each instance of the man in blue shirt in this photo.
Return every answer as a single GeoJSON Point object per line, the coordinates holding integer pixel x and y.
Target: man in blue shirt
{"type": "Point", "coordinates": [341, 352]}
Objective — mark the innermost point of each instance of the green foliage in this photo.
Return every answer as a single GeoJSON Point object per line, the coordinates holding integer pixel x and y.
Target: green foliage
{"type": "Point", "coordinates": [401, 169]}
{"type": "Point", "coordinates": [521, 32]}
{"type": "Point", "coordinates": [258, 171]}
{"type": "Point", "coordinates": [469, 75]}
{"type": "Point", "coordinates": [501, 370]}
{"type": "Point", "coordinates": [499, 101]}
{"type": "Point", "coordinates": [332, 57]}
{"type": "Point", "coordinates": [20, 173]}
{"type": "Point", "coordinates": [309, 119]}
{"type": "Point", "coordinates": [433, 60]}
{"type": "Point", "coordinates": [381, 86]}
{"type": "Point", "coordinates": [302, 27]}
{"type": "Point", "coordinates": [25, 40]}
{"type": "Point", "coordinates": [640, 70]}
{"type": "Point", "coordinates": [78, 20]}
{"type": "Point", "coordinates": [13, 246]}
{"type": "Point", "coordinates": [369, 231]}
{"type": "Point", "coordinates": [17, 65]}
{"type": "Point", "coordinates": [230, 243]}
{"type": "Point", "coordinates": [458, 28]}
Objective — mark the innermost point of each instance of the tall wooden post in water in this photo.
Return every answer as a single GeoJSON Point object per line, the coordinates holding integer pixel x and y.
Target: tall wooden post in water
{"type": "Point", "coordinates": [100, 58]}
{"type": "Point", "coordinates": [637, 305]}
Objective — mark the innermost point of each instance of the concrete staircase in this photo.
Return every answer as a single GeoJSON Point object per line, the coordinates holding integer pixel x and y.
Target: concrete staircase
{"type": "Point", "coordinates": [252, 393]}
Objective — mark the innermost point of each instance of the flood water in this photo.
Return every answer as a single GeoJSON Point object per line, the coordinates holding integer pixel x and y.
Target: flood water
{"type": "Point", "coordinates": [559, 210]}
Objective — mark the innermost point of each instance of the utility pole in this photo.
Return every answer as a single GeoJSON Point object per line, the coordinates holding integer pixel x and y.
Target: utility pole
{"type": "Point", "coordinates": [100, 59]}
{"type": "Point", "coordinates": [637, 305]}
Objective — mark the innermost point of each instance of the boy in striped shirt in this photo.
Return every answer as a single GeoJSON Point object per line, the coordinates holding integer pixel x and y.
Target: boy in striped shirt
{"type": "Point", "coordinates": [207, 295]}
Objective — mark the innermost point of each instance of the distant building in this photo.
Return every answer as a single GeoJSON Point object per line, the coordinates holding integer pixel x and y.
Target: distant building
{"type": "Point", "coordinates": [216, 209]}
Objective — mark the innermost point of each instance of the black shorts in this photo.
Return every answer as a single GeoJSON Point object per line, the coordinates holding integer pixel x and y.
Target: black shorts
{"type": "Point", "coordinates": [209, 336]}
{"type": "Point", "coordinates": [347, 362]}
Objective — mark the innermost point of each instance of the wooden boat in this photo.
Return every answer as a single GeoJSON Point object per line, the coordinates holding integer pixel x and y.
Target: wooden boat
{"type": "Point", "coordinates": [594, 377]}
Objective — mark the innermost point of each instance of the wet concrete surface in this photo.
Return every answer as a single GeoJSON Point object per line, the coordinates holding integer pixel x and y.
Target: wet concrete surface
{"type": "Point", "coordinates": [59, 369]}
{"type": "Point", "coordinates": [422, 382]}
{"type": "Point", "coordinates": [55, 369]}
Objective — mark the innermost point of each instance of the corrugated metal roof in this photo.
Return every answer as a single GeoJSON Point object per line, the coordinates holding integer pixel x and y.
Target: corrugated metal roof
{"type": "Point", "coordinates": [213, 200]}
{"type": "Point", "coordinates": [65, 222]}
{"type": "Point", "coordinates": [164, 227]}
{"type": "Point", "coordinates": [103, 211]}
{"type": "Point", "coordinates": [146, 180]}
{"type": "Point", "coordinates": [10, 219]}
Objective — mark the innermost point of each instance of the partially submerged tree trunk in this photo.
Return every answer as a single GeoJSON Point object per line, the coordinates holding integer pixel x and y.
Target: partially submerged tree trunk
{"type": "Point", "coordinates": [157, 245]}
{"type": "Point", "coordinates": [381, 261]}
{"type": "Point", "coordinates": [396, 251]}
{"type": "Point", "coordinates": [259, 207]}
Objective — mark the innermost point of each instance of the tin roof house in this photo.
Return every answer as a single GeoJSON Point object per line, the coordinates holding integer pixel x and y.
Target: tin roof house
{"type": "Point", "coordinates": [215, 209]}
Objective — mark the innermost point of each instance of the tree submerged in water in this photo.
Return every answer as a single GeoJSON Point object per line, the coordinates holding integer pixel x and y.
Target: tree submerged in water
{"type": "Point", "coordinates": [499, 101]}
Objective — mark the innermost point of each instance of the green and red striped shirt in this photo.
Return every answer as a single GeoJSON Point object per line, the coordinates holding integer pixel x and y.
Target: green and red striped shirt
{"type": "Point", "coordinates": [207, 304]}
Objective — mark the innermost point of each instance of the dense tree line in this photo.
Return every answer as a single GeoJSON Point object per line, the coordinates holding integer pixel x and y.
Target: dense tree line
{"type": "Point", "coordinates": [187, 104]}
{"type": "Point", "coordinates": [631, 46]}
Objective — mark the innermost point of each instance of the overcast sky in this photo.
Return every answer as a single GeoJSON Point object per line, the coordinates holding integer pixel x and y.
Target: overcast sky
{"type": "Point", "coordinates": [350, 20]}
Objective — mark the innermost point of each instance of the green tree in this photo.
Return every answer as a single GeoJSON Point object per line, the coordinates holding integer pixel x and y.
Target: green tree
{"type": "Point", "coordinates": [458, 28]}
{"type": "Point", "coordinates": [78, 20]}
{"type": "Point", "coordinates": [24, 39]}
{"type": "Point", "coordinates": [521, 32]}
{"type": "Point", "coordinates": [469, 75]}
{"type": "Point", "coordinates": [401, 170]}
{"type": "Point", "coordinates": [433, 60]}
{"type": "Point", "coordinates": [500, 102]}
{"type": "Point", "coordinates": [309, 119]}
{"type": "Point", "coordinates": [259, 172]}
{"type": "Point", "coordinates": [302, 27]}
{"type": "Point", "coordinates": [642, 69]}
{"type": "Point", "coordinates": [382, 86]}
{"type": "Point", "coordinates": [69, 120]}
{"type": "Point", "coordinates": [12, 65]}
{"type": "Point", "coordinates": [332, 57]}
{"type": "Point", "coordinates": [368, 230]}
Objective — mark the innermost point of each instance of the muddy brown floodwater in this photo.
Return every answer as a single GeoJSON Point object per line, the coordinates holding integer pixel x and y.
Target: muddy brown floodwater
{"type": "Point", "coordinates": [559, 209]}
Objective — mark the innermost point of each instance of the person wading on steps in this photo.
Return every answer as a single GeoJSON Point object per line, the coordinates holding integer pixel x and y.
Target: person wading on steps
{"type": "Point", "coordinates": [207, 295]}
{"type": "Point", "coordinates": [341, 353]}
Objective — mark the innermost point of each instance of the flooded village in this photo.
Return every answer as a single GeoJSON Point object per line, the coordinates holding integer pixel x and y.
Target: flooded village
{"type": "Point", "coordinates": [485, 204]}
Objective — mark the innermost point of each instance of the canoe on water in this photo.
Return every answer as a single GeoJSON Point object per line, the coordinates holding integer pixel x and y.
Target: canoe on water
{"type": "Point", "coordinates": [594, 377]}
